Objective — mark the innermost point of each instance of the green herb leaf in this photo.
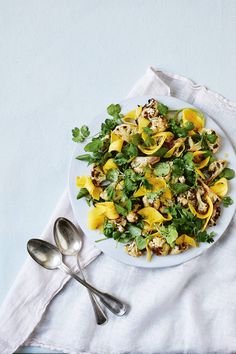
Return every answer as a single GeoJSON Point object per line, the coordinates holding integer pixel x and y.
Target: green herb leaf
{"type": "Point", "coordinates": [160, 152]}
{"type": "Point", "coordinates": [140, 242]}
{"type": "Point", "coordinates": [211, 138]}
{"type": "Point", "coordinates": [94, 145]}
{"type": "Point", "coordinates": [227, 201]}
{"type": "Point", "coordinates": [203, 236]}
{"type": "Point", "coordinates": [120, 210]}
{"type": "Point", "coordinates": [162, 169]}
{"type": "Point", "coordinates": [162, 109]}
{"type": "Point", "coordinates": [85, 131]}
{"type": "Point", "coordinates": [228, 173]}
{"type": "Point", "coordinates": [82, 193]}
{"type": "Point", "coordinates": [170, 233]}
{"type": "Point", "coordinates": [113, 109]}
{"type": "Point", "coordinates": [179, 187]}
{"type": "Point", "coordinates": [135, 231]}
{"type": "Point", "coordinates": [85, 157]}
{"type": "Point", "coordinates": [113, 175]}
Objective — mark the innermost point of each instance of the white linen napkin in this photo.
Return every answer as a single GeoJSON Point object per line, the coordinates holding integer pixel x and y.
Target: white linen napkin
{"type": "Point", "coordinates": [188, 308]}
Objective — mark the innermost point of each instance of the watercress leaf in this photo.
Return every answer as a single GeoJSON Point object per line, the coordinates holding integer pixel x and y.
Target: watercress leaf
{"type": "Point", "coordinates": [140, 242]}
{"type": "Point", "coordinates": [135, 231]}
{"type": "Point", "coordinates": [113, 175]}
{"type": "Point", "coordinates": [227, 201]}
{"type": "Point", "coordinates": [228, 173]}
{"type": "Point", "coordinates": [94, 145]}
{"type": "Point", "coordinates": [136, 139]}
{"type": "Point", "coordinates": [161, 152]}
{"type": "Point", "coordinates": [120, 210]}
{"type": "Point", "coordinates": [211, 138]}
{"type": "Point", "coordinates": [170, 233]}
{"type": "Point", "coordinates": [85, 157]}
{"type": "Point", "coordinates": [179, 187]}
{"type": "Point", "coordinates": [162, 169]}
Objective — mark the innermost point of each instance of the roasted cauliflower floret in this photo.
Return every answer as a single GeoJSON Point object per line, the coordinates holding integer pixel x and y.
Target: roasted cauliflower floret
{"type": "Point", "coordinates": [201, 205]}
{"type": "Point", "coordinates": [97, 175]}
{"type": "Point", "coordinates": [155, 203]}
{"type": "Point", "coordinates": [159, 124]}
{"type": "Point", "coordinates": [120, 223]}
{"type": "Point", "coordinates": [132, 249]}
{"type": "Point", "coordinates": [159, 246]}
{"type": "Point", "coordinates": [215, 168]}
{"type": "Point", "coordinates": [132, 216]}
{"type": "Point", "coordinates": [126, 131]}
{"type": "Point", "coordinates": [140, 162]}
{"type": "Point", "coordinates": [176, 250]}
{"type": "Point", "coordinates": [150, 109]}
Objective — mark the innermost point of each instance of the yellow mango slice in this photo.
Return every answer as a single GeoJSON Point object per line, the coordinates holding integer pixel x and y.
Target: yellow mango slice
{"type": "Point", "coordinates": [151, 215]}
{"type": "Point", "coordinates": [110, 164]}
{"type": "Point", "coordinates": [201, 165]}
{"type": "Point", "coordinates": [116, 145]}
{"type": "Point", "coordinates": [86, 182]}
{"type": "Point", "coordinates": [191, 115]}
{"type": "Point", "coordinates": [220, 187]}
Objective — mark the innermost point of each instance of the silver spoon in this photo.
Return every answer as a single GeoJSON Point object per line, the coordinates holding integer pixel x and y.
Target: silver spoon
{"type": "Point", "coordinates": [49, 257]}
{"type": "Point", "coordinates": [69, 243]}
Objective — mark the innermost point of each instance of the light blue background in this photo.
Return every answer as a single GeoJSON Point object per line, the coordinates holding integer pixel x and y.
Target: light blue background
{"type": "Point", "coordinates": [63, 61]}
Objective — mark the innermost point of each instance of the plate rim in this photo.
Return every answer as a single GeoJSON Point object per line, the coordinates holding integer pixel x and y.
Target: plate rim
{"type": "Point", "coordinates": [133, 261]}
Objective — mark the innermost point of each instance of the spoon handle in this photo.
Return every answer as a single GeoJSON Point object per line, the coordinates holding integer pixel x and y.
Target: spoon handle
{"type": "Point", "coordinates": [100, 315]}
{"type": "Point", "coordinates": [112, 303]}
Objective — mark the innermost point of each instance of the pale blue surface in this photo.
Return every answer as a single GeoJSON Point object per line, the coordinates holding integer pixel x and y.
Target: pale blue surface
{"type": "Point", "coordinates": [62, 61]}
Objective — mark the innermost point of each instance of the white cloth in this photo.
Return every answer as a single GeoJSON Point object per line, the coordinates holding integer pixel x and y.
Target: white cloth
{"type": "Point", "coordinates": [188, 308]}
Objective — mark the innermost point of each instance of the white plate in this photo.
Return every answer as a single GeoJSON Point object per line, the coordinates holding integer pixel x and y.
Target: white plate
{"type": "Point", "coordinates": [109, 246]}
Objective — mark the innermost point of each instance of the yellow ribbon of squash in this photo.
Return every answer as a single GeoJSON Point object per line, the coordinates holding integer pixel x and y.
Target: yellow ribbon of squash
{"type": "Point", "coordinates": [207, 215]}
{"type": "Point", "coordinates": [86, 182]}
{"type": "Point", "coordinates": [151, 215]}
{"type": "Point", "coordinates": [186, 239]}
{"type": "Point", "coordinates": [110, 164]}
{"type": "Point", "coordinates": [131, 116]}
{"type": "Point", "coordinates": [116, 143]}
{"type": "Point", "coordinates": [160, 141]}
{"type": "Point", "coordinates": [142, 123]}
{"type": "Point", "coordinates": [220, 187]}
{"type": "Point", "coordinates": [193, 116]}
{"type": "Point", "coordinates": [157, 183]}
{"type": "Point", "coordinates": [98, 214]}
{"type": "Point", "coordinates": [203, 163]}
{"type": "Point", "coordinates": [178, 144]}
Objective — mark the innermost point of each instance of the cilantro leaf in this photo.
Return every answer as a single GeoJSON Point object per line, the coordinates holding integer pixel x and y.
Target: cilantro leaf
{"type": "Point", "coordinates": [162, 109]}
{"type": "Point", "coordinates": [135, 231]}
{"type": "Point", "coordinates": [179, 187]}
{"type": "Point", "coordinates": [228, 173]}
{"type": "Point", "coordinates": [79, 135]}
{"type": "Point", "coordinates": [113, 109]}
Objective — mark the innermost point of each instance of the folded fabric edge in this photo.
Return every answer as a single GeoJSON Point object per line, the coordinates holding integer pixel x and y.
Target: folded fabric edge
{"type": "Point", "coordinates": [231, 105]}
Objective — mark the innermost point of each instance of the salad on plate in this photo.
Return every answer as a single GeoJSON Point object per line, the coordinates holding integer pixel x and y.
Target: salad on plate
{"type": "Point", "coordinates": [156, 184]}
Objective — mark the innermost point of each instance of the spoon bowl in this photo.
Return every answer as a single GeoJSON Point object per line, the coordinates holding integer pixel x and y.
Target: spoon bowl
{"type": "Point", "coordinates": [67, 237]}
{"type": "Point", "coordinates": [44, 253]}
